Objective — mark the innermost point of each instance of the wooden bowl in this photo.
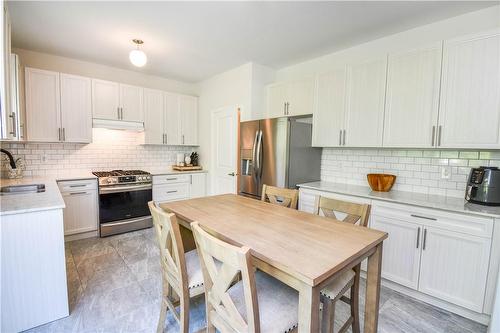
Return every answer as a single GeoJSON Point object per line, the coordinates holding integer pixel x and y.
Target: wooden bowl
{"type": "Point", "coordinates": [381, 182]}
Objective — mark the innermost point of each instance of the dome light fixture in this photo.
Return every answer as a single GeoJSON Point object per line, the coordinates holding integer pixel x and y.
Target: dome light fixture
{"type": "Point", "coordinates": [138, 57]}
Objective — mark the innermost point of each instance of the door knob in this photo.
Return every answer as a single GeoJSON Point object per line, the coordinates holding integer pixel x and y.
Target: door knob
{"type": "Point", "coordinates": [231, 174]}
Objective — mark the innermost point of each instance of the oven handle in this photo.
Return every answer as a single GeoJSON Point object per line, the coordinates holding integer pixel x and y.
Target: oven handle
{"type": "Point", "coordinates": [118, 189]}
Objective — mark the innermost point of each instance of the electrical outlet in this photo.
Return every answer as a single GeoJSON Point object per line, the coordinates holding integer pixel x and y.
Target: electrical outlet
{"type": "Point", "coordinates": [44, 158]}
{"type": "Point", "coordinates": [445, 172]}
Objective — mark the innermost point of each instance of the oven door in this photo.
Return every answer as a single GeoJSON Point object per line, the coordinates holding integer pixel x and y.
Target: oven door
{"type": "Point", "coordinates": [124, 202]}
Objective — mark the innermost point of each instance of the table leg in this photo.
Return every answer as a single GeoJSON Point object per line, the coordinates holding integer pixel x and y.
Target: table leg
{"type": "Point", "coordinates": [308, 309]}
{"type": "Point", "coordinates": [373, 290]}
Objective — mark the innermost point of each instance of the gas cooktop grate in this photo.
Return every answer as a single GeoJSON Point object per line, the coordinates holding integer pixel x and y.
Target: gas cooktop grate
{"type": "Point", "coordinates": [116, 173]}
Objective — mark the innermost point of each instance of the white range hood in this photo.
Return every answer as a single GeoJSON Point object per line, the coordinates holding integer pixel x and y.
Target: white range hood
{"type": "Point", "coordinates": [118, 124]}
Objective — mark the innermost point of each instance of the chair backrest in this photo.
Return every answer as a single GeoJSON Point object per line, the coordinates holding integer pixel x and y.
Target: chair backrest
{"type": "Point", "coordinates": [280, 196]}
{"type": "Point", "coordinates": [221, 264]}
{"type": "Point", "coordinates": [172, 256]}
{"type": "Point", "coordinates": [354, 212]}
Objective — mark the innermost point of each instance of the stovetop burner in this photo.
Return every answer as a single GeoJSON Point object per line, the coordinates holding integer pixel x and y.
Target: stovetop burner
{"type": "Point", "coordinates": [116, 173]}
{"type": "Point", "coordinates": [118, 177]}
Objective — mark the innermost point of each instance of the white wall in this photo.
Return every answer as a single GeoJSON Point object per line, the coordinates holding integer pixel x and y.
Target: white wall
{"type": "Point", "coordinates": [482, 20]}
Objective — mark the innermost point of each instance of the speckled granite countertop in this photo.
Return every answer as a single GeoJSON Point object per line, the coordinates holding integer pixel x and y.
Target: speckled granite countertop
{"type": "Point", "coordinates": [458, 205]}
{"type": "Point", "coordinates": [32, 202]}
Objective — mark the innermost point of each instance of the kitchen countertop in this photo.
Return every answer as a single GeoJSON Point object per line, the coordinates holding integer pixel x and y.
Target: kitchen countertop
{"type": "Point", "coordinates": [458, 205]}
{"type": "Point", "coordinates": [32, 202]}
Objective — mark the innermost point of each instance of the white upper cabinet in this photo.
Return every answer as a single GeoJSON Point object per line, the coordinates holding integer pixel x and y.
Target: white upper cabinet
{"type": "Point", "coordinates": [300, 97]}
{"type": "Point", "coordinates": [276, 100]}
{"type": "Point", "coordinates": [188, 109]}
{"type": "Point", "coordinates": [131, 103]}
{"type": "Point", "coordinates": [469, 115]}
{"type": "Point", "coordinates": [76, 108]}
{"type": "Point", "coordinates": [412, 97]}
{"type": "Point", "coordinates": [154, 116]}
{"type": "Point", "coordinates": [292, 98]}
{"type": "Point", "coordinates": [43, 113]}
{"type": "Point", "coordinates": [105, 99]}
{"type": "Point", "coordinates": [328, 116]}
{"type": "Point", "coordinates": [172, 120]}
{"type": "Point", "coordinates": [365, 103]}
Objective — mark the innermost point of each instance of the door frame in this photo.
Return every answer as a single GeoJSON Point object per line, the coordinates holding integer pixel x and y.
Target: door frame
{"type": "Point", "coordinates": [237, 110]}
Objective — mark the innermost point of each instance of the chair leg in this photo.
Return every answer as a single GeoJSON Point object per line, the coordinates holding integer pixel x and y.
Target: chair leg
{"type": "Point", "coordinates": [164, 307]}
{"type": "Point", "coordinates": [184, 315]}
{"type": "Point", "coordinates": [328, 316]}
{"type": "Point", "coordinates": [355, 301]}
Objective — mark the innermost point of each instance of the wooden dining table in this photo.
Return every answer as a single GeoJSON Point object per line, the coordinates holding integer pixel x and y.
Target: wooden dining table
{"type": "Point", "coordinates": [304, 251]}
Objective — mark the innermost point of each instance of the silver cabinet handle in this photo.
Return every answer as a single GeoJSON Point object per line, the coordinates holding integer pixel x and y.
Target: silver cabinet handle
{"type": "Point", "coordinates": [77, 193]}
{"type": "Point", "coordinates": [284, 108]}
{"type": "Point", "coordinates": [182, 138]}
{"type": "Point", "coordinates": [425, 239]}
{"type": "Point", "coordinates": [171, 178]}
{"type": "Point", "coordinates": [64, 133]}
{"type": "Point", "coordinates": [423, 217]}
{"type": "Point", "coordinates": [14, 127]}
{"type": "Point", "coordinates": [440, 130]}
{"type": "Point", "coordinates": [79, 185]}
{"type": "Point", "coordinates": [340, 138]}
{"type": "Point", "coordinates": [59, 134]}
{"type": "Point", "coordinates": [118, 112]}
{"type": "Point", "coordinates": [287, 108]}
{"type": "Point", "coordinates": [418, 236]}
{"type": "Point", "coordinates": [344, 137]}
{"type": "Point", "coordinates": [433, 135]}
{"type": "Point", "coordinates": [172, 191]}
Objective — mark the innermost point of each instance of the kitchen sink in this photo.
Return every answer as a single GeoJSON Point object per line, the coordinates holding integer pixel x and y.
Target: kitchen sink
{"type": "Point", "coordinates": [20, 189]}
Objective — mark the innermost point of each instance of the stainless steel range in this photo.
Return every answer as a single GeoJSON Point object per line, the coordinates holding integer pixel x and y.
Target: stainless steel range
{"type": "Point", "coordinates": [123, 201]}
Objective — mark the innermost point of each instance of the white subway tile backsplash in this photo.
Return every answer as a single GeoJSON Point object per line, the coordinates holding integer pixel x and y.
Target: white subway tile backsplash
{"type": "Point", "coordinates": [111, 149]}
{"type": "Point", "coordinates": [416, 170]}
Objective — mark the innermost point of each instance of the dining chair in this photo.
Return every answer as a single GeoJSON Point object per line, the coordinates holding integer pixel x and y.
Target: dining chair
{"type": "Point", "coordinates": [181, 272]}
{"type": "Point", "coordinates": [280, 196]}
{"type": "Point", "coordinates": [354, 214]}
{"type": "Point", "coordinates": [238, 298]}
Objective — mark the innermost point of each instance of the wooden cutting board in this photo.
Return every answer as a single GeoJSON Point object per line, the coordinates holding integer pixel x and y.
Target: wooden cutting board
{"type": "Point", "coordinates": [187, 168]}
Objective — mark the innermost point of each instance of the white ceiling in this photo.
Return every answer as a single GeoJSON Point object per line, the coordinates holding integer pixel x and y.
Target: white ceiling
{"type": "Point", "coordinates": [192, 41]}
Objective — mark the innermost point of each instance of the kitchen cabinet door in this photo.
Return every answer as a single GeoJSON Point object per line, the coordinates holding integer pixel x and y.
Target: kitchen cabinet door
{"type": "Point", "coordinates": [172, 126]}
{"type": "Point", "coordinates": [198, 185]}
{"type": "Point", "coordinates": [76, 108]}
{"type": "Point", "coordinates": [401, 255]}
{"type": "Point", "coordinates": [276, 100]}
{"type": "Point", "coordinates": [80, 214]}
{"type": "Point", "coordinates": [365, 98]}
{"type": "Point", "coordinates": [105, 100]}
{"type": "Point", "coordinates": [328, 116]}
{"type": "Point", "coordinates": [469, 114]}
{"type": "Point", "coordinates": [188, 109]}
{"type": "Point", "coordinates": [131, 103]}
{"type": "Point", "coordinates": [43, 105]}
{"type": "Point", "coordinates": [454, 267]}
{"type": "Point", "coordinates": [300, 96]}
{"type": "Point", "coordinates": [154, 116]}
{"type": "Point", "coordinates": [412, 97]}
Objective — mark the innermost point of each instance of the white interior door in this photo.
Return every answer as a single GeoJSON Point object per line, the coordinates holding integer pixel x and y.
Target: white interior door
{"type": "Point", "coordinates": [224, 145]}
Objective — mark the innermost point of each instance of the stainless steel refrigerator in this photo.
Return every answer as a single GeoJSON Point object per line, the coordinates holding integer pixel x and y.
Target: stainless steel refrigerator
{"type": "Point", "coordinates": [276, 152]}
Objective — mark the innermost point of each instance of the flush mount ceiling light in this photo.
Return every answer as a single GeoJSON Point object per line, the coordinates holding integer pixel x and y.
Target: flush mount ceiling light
{"type": "Point", "coordinates": [137, 57]}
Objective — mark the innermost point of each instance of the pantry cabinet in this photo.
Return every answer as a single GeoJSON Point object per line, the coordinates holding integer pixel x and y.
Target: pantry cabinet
{"type": "Point", "coordinates": [76, 108]}
{"type": "Point", "coordinates": [328, 116]}
{"type": "Point", "coordinates": [412, 97]}
{"type": "Point", "coordinates": [43, 107]}
{"type": "Point", "coordinates": [469, 113]}
{"type": "Point", "coordinates": [364, 117]}
{"type": "Point", "coordinates": [292, 98]}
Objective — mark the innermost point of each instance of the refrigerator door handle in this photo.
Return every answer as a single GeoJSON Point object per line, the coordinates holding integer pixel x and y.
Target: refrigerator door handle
{"type": "Point", "coordinates": [254, 157]}
{"type": "Point", "coordinates": [259, 159]}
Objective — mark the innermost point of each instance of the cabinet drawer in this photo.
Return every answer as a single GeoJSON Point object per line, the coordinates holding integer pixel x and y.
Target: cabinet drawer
{"type": "Point", "coordinates": [77, 185]}
{"type": "Point", "coordinates": [463, 223]}
{"type": "Point", "coordinates": [171, 179]}
{"type": "Point", "coordinates": [170, 192]}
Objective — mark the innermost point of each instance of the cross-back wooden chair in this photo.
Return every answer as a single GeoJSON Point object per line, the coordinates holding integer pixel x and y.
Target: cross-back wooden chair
{"type": "Point", "coordinates": [280, 196]}
{"type": "Point", "coordinates": [255, 303]}
{"type": "Point", "coordinates": [355, 214]}
{"type": "Point", "coordinates": [181, 272]}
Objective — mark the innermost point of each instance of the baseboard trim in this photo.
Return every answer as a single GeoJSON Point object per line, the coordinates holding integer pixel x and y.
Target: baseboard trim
{"type": "Point", "coordinates": [82, 235]}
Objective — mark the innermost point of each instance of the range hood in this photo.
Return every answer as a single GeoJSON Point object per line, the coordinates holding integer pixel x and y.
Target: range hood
{"type": "Point", "coordinates": [118, 124]}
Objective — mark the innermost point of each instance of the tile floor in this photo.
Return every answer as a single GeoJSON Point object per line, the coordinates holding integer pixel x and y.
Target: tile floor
{"type": "Point", "coordinates": [114, 285]}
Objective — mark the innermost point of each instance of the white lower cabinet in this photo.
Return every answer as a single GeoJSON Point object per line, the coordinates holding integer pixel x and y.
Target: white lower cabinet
{"type": "Point", "coordinates": [433, 252]}
{"type": "Point", "coordinates": [401, 254]}
{"type": "Point", "coordinates": [454, 267]}
{"type": "Point", "coordinates": [81, 212]}
{"type": "Point", "coordinates": [179, 187]}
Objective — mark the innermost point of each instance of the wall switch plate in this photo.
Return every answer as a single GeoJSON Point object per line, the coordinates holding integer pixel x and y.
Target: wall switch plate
{"type": "Point", "coordinates": [445, 172]}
